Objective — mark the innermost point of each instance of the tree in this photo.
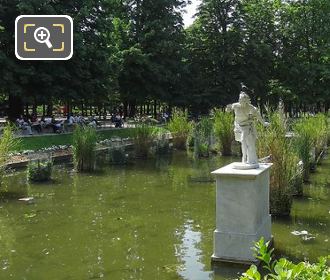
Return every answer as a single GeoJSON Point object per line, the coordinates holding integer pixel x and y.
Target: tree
{"type": "Point", "coordinates": [152, 59]}
{"type": "Point", "coordinates": [86, 77]}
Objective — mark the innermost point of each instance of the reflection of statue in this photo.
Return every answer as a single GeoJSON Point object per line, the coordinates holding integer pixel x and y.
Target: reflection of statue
{"type": "Point", "coordinates": [245, 131]}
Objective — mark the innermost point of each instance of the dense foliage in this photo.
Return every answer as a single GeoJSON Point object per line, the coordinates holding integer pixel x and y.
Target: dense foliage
{"type": "Point", "coordinates": [138, 52]}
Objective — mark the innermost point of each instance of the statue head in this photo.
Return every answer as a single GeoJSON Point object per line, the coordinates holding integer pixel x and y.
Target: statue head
{"type": "Point", "coordinates": [244, 98]}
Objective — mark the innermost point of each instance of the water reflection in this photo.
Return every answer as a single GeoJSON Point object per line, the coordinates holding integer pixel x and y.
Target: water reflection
{"type": "Point", "coordinates": [190, 255]}
{"type": "Point", "coordinates": [150, 220]}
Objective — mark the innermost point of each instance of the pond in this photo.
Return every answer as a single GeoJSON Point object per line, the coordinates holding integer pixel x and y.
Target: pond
{"type": "Point", "coordinates": [150, 220]}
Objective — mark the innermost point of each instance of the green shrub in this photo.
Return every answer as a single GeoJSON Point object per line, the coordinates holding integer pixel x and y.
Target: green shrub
{"type": "Point", "coordinates": [180, 128]}
{"type": "Point", "coordinates": [84, 148]}
{"type": "Point", "coordinates": [284, 269]}
{"type": "Point", "coordinates": [143, 137]}
{"type": "Point", "coordinates": [40, 171]}
{"type": "Point", "coordinates": [224, 131]}
{"type": "Point", "coordinates": [272, 141]}
{"type": "Point", "coordinates": [7, 144]}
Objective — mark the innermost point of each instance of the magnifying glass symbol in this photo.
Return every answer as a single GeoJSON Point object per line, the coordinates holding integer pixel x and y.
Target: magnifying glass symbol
{"type": "Point", "coordinates": [41, 35]}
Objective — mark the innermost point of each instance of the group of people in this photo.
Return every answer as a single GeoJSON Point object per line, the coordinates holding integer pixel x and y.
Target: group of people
{"type": "Point", "coordinates": [73, 120]}
{"type": "Point", "coordinates": [31, 123]}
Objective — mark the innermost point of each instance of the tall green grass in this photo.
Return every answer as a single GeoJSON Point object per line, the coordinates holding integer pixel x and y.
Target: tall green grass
{"type": "Point", "coordinates": [311, 137]}
{"type": "Point", "coordinates": [180, 128]}
{"type": "Point", "coordinates": [143, 137]}
{"type": "Point", "coordinates": [8, 143]}
{"type": "Point", "coordinates": [84, 148]}
{"type": "Point", "coordinates": [224, 131]}
{"type": "Point", "coordinates": [272, 142]}
{"type": "Point", "coordinates": [202, 134]}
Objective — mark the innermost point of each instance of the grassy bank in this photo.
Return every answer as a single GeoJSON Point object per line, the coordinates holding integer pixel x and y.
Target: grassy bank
{"type": "Point", "coordinates": [45, 141]}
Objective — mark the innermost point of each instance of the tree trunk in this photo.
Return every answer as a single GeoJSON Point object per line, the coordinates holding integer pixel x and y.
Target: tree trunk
{"type": "Point", "coordinates": [155, 109]}
{"type": "Point", "coordinates": [50, 109]}
{"type": "Point", "coordinates": [132, 109]}
{"type": "Point", "coordinates": [15, 107]}
{"type": "Point", "coordinates": [26, 109]}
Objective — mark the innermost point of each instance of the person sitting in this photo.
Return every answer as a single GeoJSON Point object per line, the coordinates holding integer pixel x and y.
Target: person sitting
{"type": "Point", "coordinates": [46, 123]}
{"type": "Point", "coordinates": [57, 125]}
{"type": "Point", "coordinates": [24, 124]}
{"type": "Point", "coordinates": [118, 121]}
{"type": "Point", "coordinates": [69, 122]}
{"type": "Point", "coordinates": [93, 122]}
{"type": "Point", "coordinates": [35, 124]}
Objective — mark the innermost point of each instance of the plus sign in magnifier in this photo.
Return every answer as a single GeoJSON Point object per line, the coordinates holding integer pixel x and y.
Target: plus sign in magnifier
{"type": "Point", "coordinates": [42, 35]}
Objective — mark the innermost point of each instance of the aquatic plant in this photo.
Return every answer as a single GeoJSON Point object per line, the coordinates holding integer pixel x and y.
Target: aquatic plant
{"type": "Point", "coordinates": [180, 128]}
{"type": "Point", "coordinates": [311, 137]}
{"type": "Point", "coordinates": [84, 148]}
{"type": "Point", "coordinates": [285, 269]}
{"type": "Point", "coordinates": [7, 144]}
{"type": "Point", "coordinates": [224, 131]}
{"type": "Point", "coordinates": [143, 137]}
{"type": "Point", "coordinates": [202, 135]}
{"type": "Point", "coordinates": [40, 171]}
{"type": "Point", "coordinates": [272, 142]}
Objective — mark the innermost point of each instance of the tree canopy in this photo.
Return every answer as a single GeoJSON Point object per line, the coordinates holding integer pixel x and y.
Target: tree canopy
{"type": "Point", "coordinates": [137, 51]}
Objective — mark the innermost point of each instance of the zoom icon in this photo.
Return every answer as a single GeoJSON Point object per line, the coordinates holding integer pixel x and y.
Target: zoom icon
{"type": "Point", "coordinates": [47, 37]}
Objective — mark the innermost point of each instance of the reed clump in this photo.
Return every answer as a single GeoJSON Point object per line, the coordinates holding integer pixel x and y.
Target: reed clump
{"type": "Point", "coordinates": [311, 137]}
{"type": "Point", "coordinates": [202, 136]}
{"type": "Point", "coordinates": [180, 128]}
{"type": "Point", "coordinates": [224, 131]}
{"type": "Point", "coordinates": [84, 148]}
{"type": "Point", "coordinates": [7, 144]}
{"type": "Point", "coordinates": [272, 142]}
{"type": "Point", "coordinates": [143, 137]}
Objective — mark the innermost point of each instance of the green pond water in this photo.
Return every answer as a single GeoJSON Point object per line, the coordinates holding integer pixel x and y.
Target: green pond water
{"type": "Point", "coordinates": [150, 220]}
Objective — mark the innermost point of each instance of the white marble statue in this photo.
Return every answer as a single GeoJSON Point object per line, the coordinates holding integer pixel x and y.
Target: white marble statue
{"type": "Point", "coordinates": [245, 131]}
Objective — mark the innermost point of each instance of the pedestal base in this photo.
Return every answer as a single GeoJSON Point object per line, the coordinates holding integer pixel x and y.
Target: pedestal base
{"type": "Point", "coordinates": [237, 247]}
{"type": "Point", "coordinates": [245, 166]}
{"type": "Point", "coordinates": [242, 212]}
{"type": "Point", "coordinates": [218, 260]}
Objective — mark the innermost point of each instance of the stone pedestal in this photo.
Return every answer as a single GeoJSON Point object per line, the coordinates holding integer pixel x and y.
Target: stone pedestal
{"type": "Point", "coordinates": [242, 212]}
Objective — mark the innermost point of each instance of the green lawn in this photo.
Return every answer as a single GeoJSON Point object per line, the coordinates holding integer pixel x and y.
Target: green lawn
{"type": "Point", "coordinates": [45, 141]}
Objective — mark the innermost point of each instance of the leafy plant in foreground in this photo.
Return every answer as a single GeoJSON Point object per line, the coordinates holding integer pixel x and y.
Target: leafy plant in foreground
{"type": "Point", "coordinates": [284, 269]}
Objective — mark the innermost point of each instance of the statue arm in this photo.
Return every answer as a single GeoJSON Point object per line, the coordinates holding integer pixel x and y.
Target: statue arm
{"type": "Point", "coordinates": [230, 107]}
{"type": "Point", "coordinates": [258, 115]}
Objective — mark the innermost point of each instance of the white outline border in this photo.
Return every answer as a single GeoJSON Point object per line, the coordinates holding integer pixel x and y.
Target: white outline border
{"type": "Point", "coordinates": [65, 58]}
